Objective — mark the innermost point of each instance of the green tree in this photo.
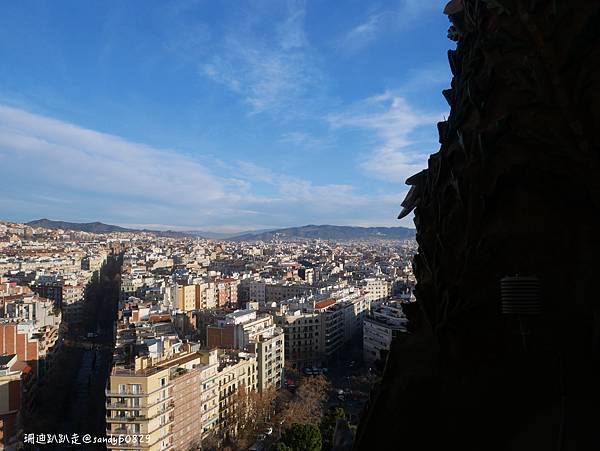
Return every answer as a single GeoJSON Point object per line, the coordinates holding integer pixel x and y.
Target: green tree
{"type": "Point", "coordinates": [328, 425]}
{"type": "Point", "coordinates": [338, 413]}
{"type": "Point", "coordinates": [303, 437]}
{"type": "Point", "coordinates": [280, 446]}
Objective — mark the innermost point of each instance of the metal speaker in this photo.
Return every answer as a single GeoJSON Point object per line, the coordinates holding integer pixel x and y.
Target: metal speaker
{"type": "Point", "coordinates": [521, 295]}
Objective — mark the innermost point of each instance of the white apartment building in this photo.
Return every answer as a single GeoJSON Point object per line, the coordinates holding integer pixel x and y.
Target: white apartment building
{"type": "Point", "coordinates": [377, 289]}
{"type": "Point", "coordinates": [380, 327]}
{"type": "Point", "coordinates": [245, 330]}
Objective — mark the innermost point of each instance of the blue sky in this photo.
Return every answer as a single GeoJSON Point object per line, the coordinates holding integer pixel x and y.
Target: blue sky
{"type": "Point", "coordinates": [218, 115]}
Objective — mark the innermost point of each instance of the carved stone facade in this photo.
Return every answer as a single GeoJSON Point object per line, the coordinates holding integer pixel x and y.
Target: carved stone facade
{"type": "Point", "coordinates": [513, 190]}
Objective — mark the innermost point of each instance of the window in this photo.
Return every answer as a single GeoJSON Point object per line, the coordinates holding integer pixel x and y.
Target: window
{"type": "Point", "coordinates": [163, 381]}
{"type": "Point", "coordinates": [136, 389]}
{"type": "Point", "coordinates": [121, 389]}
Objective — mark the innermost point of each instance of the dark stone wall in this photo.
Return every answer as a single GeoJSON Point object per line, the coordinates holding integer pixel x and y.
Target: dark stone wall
{"type": "Point", "coordinates": [514, 189]}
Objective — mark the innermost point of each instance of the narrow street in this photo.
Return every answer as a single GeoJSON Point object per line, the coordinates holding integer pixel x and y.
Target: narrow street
{"type": "Point", "coordinates": [76, 387]}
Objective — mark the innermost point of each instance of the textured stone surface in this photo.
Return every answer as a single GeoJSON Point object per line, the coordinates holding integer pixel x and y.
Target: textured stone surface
{"type": "Point", "coordinates": [514, 189]}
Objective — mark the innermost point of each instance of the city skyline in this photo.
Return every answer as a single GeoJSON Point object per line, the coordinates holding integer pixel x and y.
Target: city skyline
{"type": "Point", "coordinates": [195, 116]}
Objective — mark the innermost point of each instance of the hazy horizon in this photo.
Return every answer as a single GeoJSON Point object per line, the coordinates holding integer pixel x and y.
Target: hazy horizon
{"type": "Point", "coordinates": [222, 230]}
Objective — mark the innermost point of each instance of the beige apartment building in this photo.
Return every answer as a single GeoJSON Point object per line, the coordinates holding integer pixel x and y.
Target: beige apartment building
{"type": "Point", "coordinates": [184, 297]}
{"type": "Point", "coordinates": [160, 402]}
{"type": "Point", "coordinates": [177, 402]}
{"type": "Point", "coordinates": [209, 394]}
{"type": "Point", "coordinates": [377, 289]}
{"type": "Point", "coordinates": [238, 370]}
{"type": "Point", "coordinates": [206, 295]}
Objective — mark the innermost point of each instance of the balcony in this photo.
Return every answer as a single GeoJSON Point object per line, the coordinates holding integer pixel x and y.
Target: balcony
{"type": "Point", "coordinates": [208, 397]}
{"type": "Point", "coordinates": [129, 393]}
{"type": "Point", "coordinates": [140, 418]}
{"type": "Point", "coordinates": [120, 406]}
{"type": "Point", "coordinates": [124, 419]}
{"type": "Point", "coordinates": [125, 394]}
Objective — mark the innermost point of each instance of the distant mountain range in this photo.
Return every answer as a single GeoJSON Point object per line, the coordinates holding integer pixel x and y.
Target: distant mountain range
{"type": "Point", "coordinates": [99, 227]}
{"type": "Point", "coordinates": [227, 236]}
{"type": "Point", "coordinates": [330, 232]}
{"type": "Point", "coordinates": [324, 232]}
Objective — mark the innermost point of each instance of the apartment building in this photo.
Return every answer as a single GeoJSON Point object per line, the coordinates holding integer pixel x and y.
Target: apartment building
{"type": "Point", "coordinates": [93, 263]}
{"type": "Point", "coordinates": [270, 353]}
{"type": "Point", "coordinates": [356, 307]}
{"type": "Point", "coordinates": [275, 292]}
{"type": "Point", "coordinates": [307, 274]}
{"type": "Point", "coordinates": [15, 380]}
{"type": "Point", "coordinates": [206, 295]}
{"type": "Point", "coordinates": [302, 338]}
{"type": "Point", "coordinates": [314, 332]}
{"type": "Point", "coordinates": [237, 370]}
{"type": "Point", "coordinates": [50, 287]}
{"type": "Point", "coordinates": [158, 401]}
{"type": "Point", "coordinates": [73, 302]}
{"type": "Point", "coordinates": [377, 288]}
{"type": "Point", "coordinates": [256, 291]}
{"type": "Point", "coordinates": [246, 330]}
{"type": "Point", "coordinates": [381, 326]}
{"type": "Point", "coordinates": [210, 393]}
{"type": "Point", "coordinates": [226, 291]}
{"type": "Point", "coordinates": [130, 286]}
{"type": "Point", "coordinates": [332, 331]}
{"type": "Point", "coordinates": [183, 297]}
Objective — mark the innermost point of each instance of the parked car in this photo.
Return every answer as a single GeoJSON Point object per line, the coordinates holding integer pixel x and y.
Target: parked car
{"type": "Point", "coordinates": [308, 371]}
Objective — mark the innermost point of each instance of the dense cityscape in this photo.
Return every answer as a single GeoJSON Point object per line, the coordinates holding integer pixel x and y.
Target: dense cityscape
{"type": "Point", "coordinates": [326, 226]}
{"type": "Point", "coordinates": [148, 342]}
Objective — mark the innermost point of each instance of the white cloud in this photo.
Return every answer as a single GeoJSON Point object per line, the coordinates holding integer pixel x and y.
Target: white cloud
{"type": "Point", "coordinates": [254, 172]}
{"type": "Point", "coordinates": [391, 119]}
{"type": "Point", "coordinates": [270, 67]}
{"type": "Point", "coordinates": [82, 159]}
{"type": "Point", "coordinates": [366, 32]}
{"type": "Point", "coordinates": [304, 140]}
{"type": "Point", "coordinates": [381, 21]}
{"type": "Point", "coordinates": [55, 169]}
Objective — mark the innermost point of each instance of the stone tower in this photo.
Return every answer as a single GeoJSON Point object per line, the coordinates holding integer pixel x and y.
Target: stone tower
{"type": "Point", "coordinates": [514, 190]}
